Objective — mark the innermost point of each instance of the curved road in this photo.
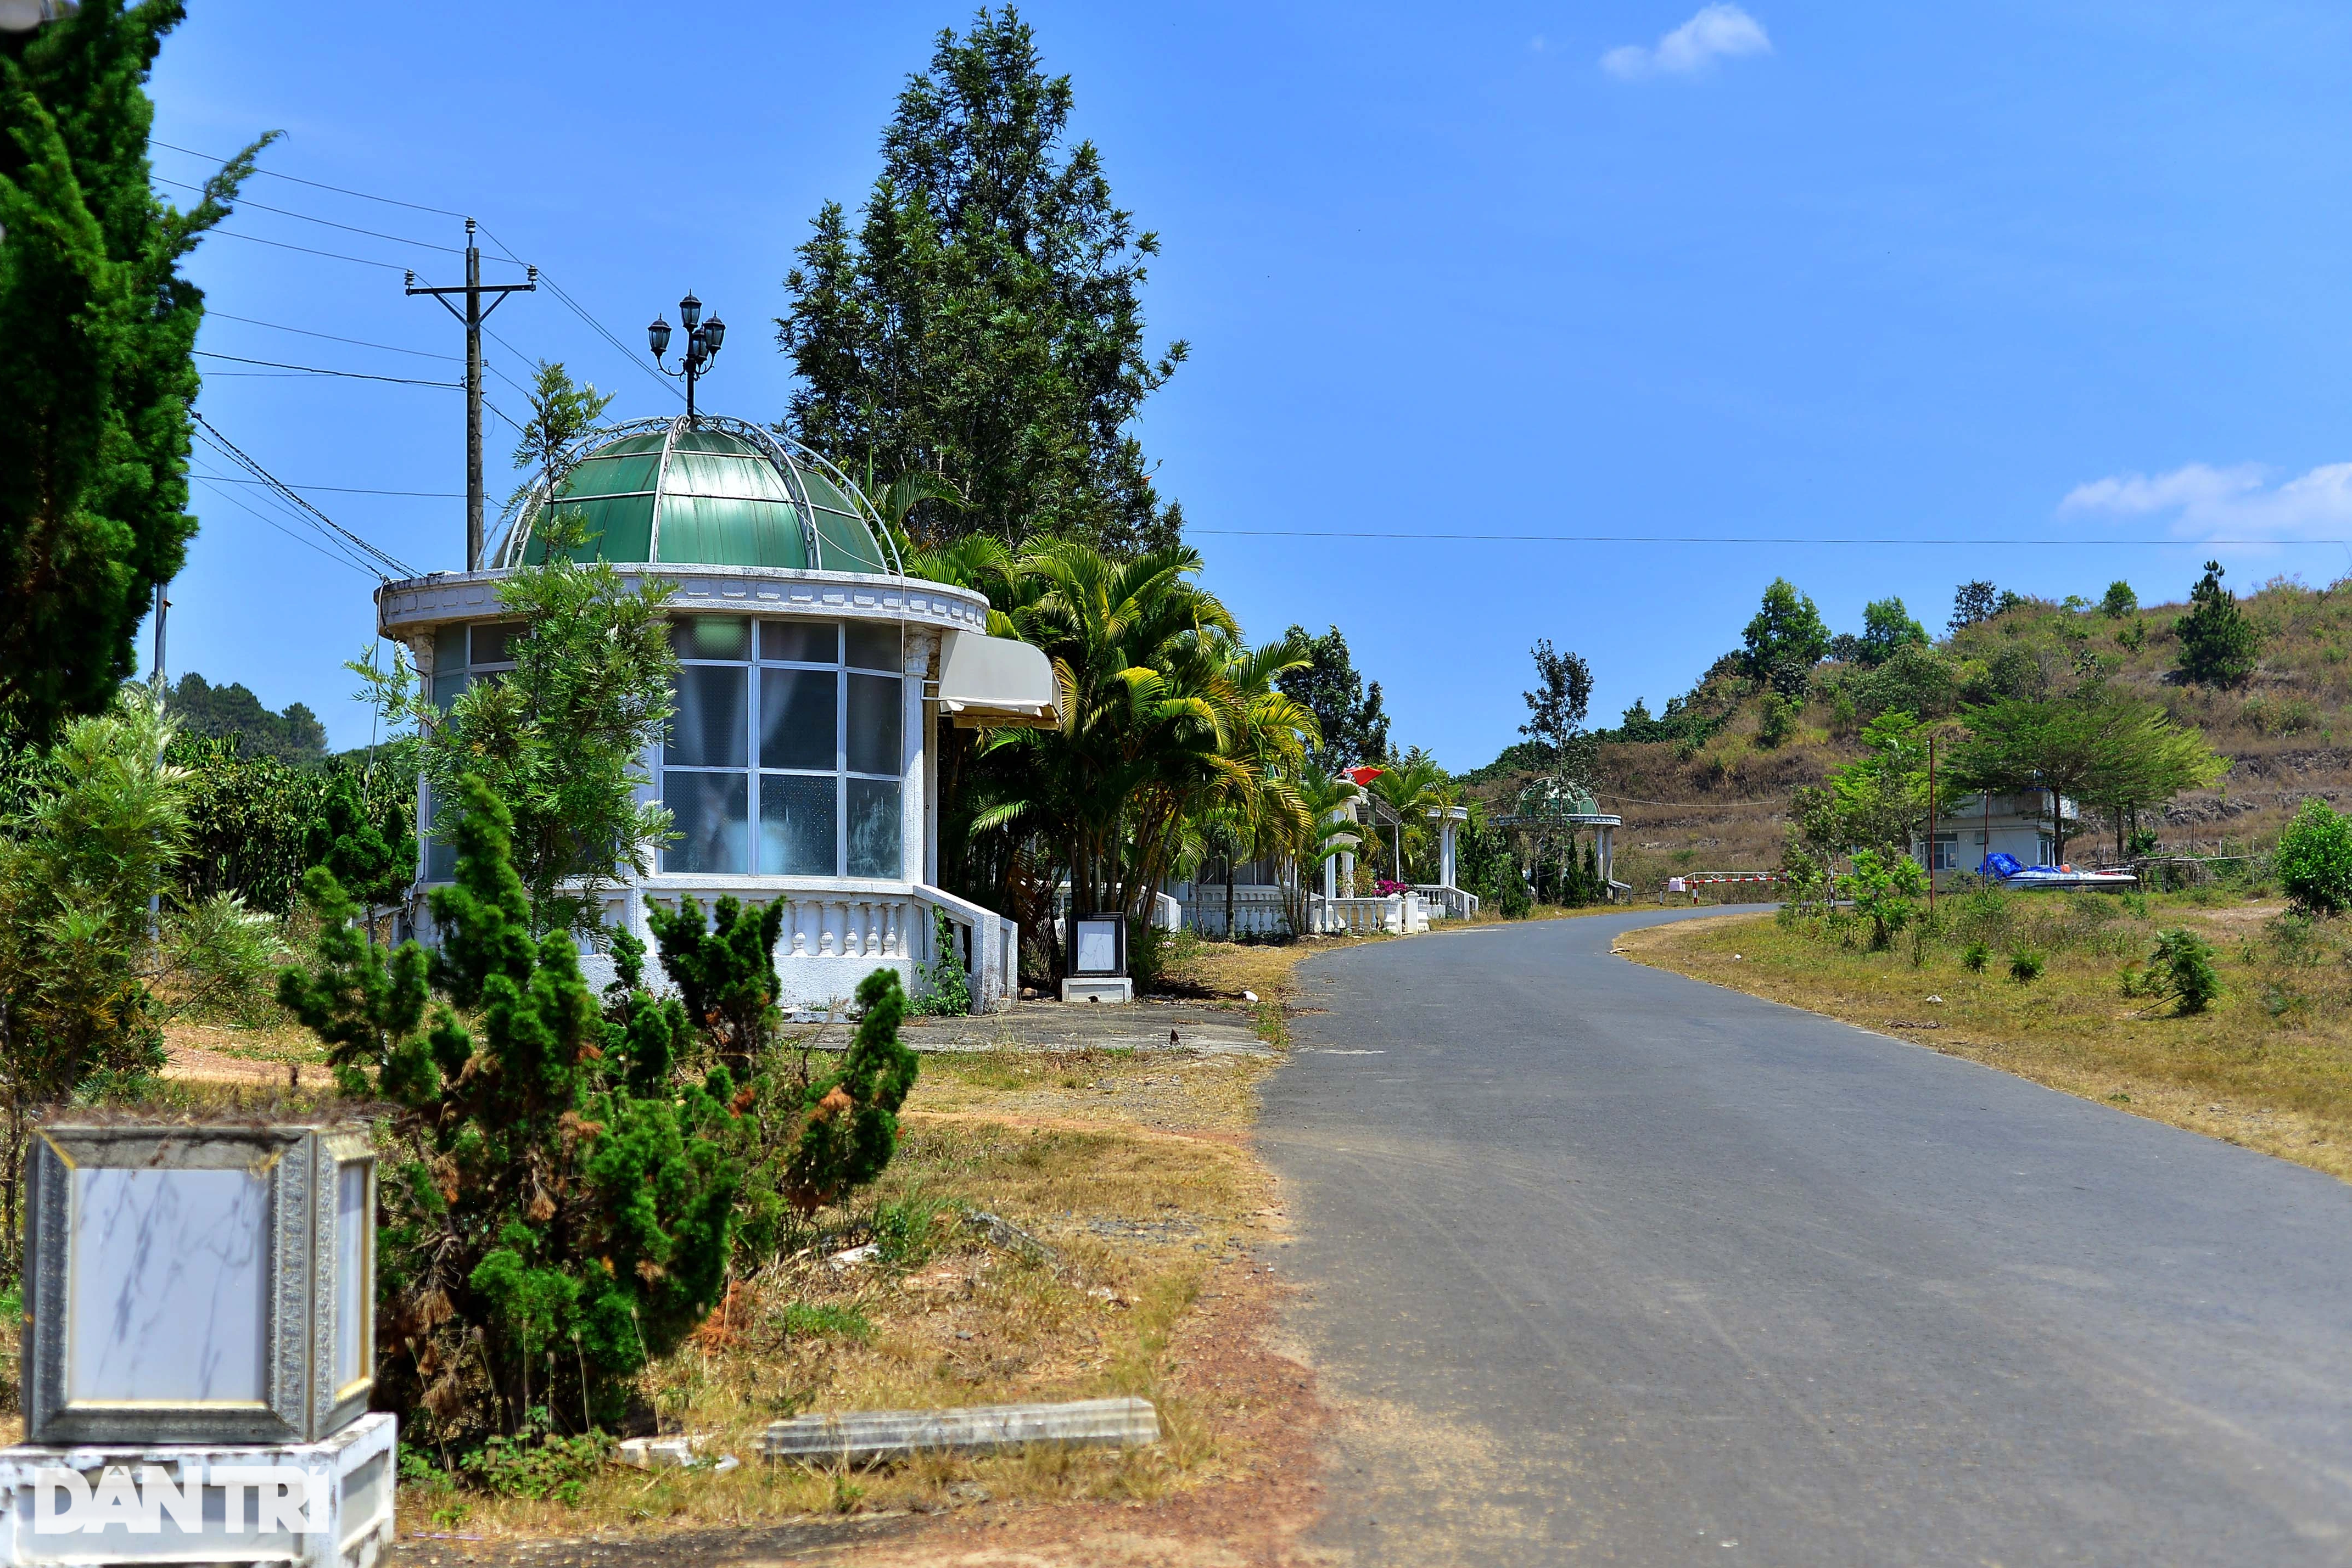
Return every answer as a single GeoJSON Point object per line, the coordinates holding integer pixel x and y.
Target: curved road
{"type": "Point", "coordinates": [1605, 1265]}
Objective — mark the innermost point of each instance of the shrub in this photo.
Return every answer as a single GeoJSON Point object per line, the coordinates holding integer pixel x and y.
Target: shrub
{"type": "Point", "coordinates": [528, 1200]}
{"type": "Point", "coordinates": [1974, 956]}
{"type": "Point", "coordinates": [946, 991]}
{"type": "Point", "coordinates": [2119, 601]}
{"type": "Point", "coordinates": [1776, 721]}
{"type": "Point", "coordinates": [2025, 968]}
{"type": "Point", "coordinates": [2182, 968]}
{"type": "Point", "coordinates": [2314, 862]}
{"type": "Point", "coordinates": [1884, 891]}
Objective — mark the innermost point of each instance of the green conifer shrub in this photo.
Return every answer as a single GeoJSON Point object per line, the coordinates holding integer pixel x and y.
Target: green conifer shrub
{"type": "Point", "coordinates": [2218, 643]}
{"type": "Point", "coordinates": [544, 1188]}
{"type": "Point", "coordinates": [2181, 967]}
{"type": "Point", "coordinates": [726, 971]}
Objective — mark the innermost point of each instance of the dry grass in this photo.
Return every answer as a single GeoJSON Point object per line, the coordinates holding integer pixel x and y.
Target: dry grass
{"type": "Point", "coordinates": [1070, 1147]}
{"type": "Point", "coordinates": [2268, 1065]}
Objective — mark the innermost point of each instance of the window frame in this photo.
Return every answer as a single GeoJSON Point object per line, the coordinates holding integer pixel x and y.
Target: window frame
{"type": "Point", "coordinates": [756, 768]}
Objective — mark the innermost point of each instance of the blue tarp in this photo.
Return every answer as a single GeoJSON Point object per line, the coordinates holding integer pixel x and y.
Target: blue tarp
{"type": "Point", "coordinates": [1998, 864]}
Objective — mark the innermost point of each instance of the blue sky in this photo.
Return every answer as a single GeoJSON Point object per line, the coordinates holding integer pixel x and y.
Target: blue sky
{"type": "Point", "coordinates": [2074, 275]}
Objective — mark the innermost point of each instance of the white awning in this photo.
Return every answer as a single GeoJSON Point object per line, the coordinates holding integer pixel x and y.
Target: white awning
{"type": "Point", "coordinates": [996, 682]}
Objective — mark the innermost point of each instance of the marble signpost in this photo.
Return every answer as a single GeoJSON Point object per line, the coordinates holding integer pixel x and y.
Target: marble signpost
{"type": "Point", "coordinates": [198, 1331]}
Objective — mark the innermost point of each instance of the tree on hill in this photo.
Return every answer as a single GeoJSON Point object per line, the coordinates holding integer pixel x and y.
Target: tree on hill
{"type": "Point", "coordinates": [95, 379]}
{"type": "Point", "coordinates": [2093, 746]}
{"type": "Point", "coordinates": [2119, 601]}
{"type": "Point", "coordinates": [223, 712]}
{"type": "Point", "coordinates": [1784, 641]}
{"type": "Point", "coordinates": [2218, 643]}
{"type": "Point", "coordinates": [1971, 603]}
{"type": "Point", "coordinates": [984, 324]}
{"type": "Point", "coordinates": [1353, 723]}
{"type": "Point", "coordinates": [1556, 711]}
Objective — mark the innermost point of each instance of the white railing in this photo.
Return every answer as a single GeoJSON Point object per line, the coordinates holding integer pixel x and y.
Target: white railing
{"type": "Point", "coordinates": [830, 940]}
{"type": "Point", "coordinates": [1394, 914]}
{"type": "Point", "coordinates": [1255, 912]}
{"type": "Point", "coordinates": [1448, 903]}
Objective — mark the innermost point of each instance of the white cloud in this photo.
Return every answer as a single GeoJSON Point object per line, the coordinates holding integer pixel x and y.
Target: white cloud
{"type": "Point", "coordinates": [1719, 32]}
{"type": "Point", "coordinates": [2204, 501]}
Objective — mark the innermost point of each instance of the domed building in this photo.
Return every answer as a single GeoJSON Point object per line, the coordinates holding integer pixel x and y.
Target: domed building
{"type": "Point", "coordinates": [800, 765]}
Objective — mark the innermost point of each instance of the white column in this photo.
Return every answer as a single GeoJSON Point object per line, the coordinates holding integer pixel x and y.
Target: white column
{"type": "Point", "coordinates": [914, 769]}
{"type": "Point", "coordinates": [932, 785]}
{"type": "Point", "coordinates": [1446, 852]}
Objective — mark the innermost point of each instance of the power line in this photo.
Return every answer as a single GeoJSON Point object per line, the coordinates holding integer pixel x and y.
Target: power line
{"type": "Point", "coordinates": [314, 369]}
{"type": "Point", "coordinates": [1699, 539]}
{"type": "Point", "coordinates": [307, 250]}
{"type": "Point", "coordinates": [313, 516]}
{"type": "Point", "coordinates": [343, 490]}
{"type": "Point", "coordinates": [314, 184]}
{"type": "Point", "coordinates": [581, 311]}
{"type": "Point", "coordinates": [306, 218]}
{"type": "Point", "coordinates": [238, 501]}
{"type": "Point", "coordinates": [304, 331]}
{"type": "Point", "coordinates": [506, 253]}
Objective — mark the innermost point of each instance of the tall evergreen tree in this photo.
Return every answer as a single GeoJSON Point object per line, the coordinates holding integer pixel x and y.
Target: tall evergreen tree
{"type": "Point", "coordinates": [2218, 643]}
{"type": "Point", "coordinates": [983, 325]}
{"type": "Point", "coordinates": [96, 377]}
{"type": "Point", "coordinates": [1349, 716]}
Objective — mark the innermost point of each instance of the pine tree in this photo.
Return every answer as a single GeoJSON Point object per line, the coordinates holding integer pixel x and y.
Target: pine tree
{"type": "Point", "coordinates": [530, 1202]}
{"type": "Point", "coordinates": [374, 861]}
{"type": "Point", "coordinates": [96, 375]}
{"type": "Point", "coordinates": [984, 324]}
{"type": "Point", "coordinates": [2218, 643]}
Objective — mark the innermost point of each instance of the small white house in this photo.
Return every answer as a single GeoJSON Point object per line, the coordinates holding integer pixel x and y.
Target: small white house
{"type": "Point", "coordinates": [802, 765]}
{"type": "Point", "coordinates": [1971, 826]}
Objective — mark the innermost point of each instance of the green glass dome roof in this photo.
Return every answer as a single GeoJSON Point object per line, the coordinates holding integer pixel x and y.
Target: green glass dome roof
{"type": "Point", "coordinates": [718, 492]}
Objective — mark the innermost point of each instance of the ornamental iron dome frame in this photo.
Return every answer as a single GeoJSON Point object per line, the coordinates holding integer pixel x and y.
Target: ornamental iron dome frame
{"type": "Point", "coordinates": [1554, 802]}
{"type": "Point", "coordinates": [782, 451]}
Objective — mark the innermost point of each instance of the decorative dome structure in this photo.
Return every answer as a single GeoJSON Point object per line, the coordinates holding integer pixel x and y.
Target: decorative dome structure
{"type": "Point", "coordinates": [704, 492]}
{"type": "Point", "coordinates": [800, 765]}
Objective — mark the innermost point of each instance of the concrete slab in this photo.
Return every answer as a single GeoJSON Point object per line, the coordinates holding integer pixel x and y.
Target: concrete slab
{"type": "Point", "coordinates": [1184, 1029]}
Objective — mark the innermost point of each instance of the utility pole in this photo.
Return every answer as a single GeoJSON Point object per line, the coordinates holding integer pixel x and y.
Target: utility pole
{"type": "Point", "coordinates": [473, 316]}
{"type": "Point", "coordinates": [1931, 824]}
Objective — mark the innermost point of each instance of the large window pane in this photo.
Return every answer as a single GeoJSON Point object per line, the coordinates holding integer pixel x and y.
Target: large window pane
{"type": "Point", "coordinates": [448, 666]}
{"type": "Point", "coordinates": [873, 828]}
{"type": "Point", "coordinates": [711, 817]}
{"type": "Point", "coordinates": [874, 647]}
{"type": "Point", "coordinates": [440, 852]}
{"type": "Point", "coordinates": [798, 818]}
{"type": "Point", "coordinates": [710, 728]}
{"type": "Point", "coordinates": [873, 724]}
{"type": "Point", "coordinates": [495, 642]}
{"type": "Point", "coordinates": [711, 637]}
{"type": "Point", "coordinates": [797, 712]}
{"type": "Point", "coordinates": [801, 642]}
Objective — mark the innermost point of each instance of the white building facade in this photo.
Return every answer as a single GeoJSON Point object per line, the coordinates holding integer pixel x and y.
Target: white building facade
{"type": "Point", "coordinates": [801, 766]}
{"type": "Point", "coordinates": [1973, 827]}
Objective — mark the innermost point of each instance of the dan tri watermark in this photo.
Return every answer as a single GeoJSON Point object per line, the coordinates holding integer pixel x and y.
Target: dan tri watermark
{"type": "Point", "coordinates": [283, 1498]}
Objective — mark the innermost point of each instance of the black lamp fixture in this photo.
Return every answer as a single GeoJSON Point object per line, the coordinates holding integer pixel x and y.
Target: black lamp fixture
{"type": "Point", "coordinates": [702, 340]}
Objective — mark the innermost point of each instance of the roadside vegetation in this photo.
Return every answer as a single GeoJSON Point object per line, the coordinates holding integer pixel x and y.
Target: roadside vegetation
{"type": "Point", "coordinates": [2225, 1010]}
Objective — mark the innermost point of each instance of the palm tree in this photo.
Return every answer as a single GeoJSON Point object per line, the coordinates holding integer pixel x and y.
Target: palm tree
{"type": "Point", "coordinates": [1404, 793]}
{"type": "Point", "coordinates": [1165, 716]}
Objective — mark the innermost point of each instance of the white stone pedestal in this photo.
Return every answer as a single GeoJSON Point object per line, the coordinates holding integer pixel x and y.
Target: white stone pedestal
{"type": "Point", "coordinates": [318, 1505]}
{"type": "Point", "coordinates": [1098, 989]}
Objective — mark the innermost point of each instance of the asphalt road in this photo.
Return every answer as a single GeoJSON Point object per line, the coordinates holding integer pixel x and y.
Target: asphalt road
{"type": "Point", "coordinates": [1604, 1265]}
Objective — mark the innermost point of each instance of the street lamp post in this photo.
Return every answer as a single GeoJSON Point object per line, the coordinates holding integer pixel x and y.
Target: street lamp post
{"type": "Point", "coordinates": [702, 342]}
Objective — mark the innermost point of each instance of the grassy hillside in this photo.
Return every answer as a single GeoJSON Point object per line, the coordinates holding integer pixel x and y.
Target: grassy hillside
{"type": "Point", "coordinates": [1717, 802]}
